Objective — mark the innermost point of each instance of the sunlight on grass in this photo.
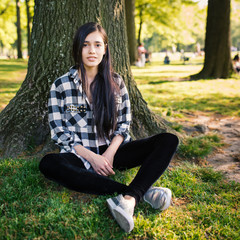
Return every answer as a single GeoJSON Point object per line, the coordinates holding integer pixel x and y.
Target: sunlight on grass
{"type": "Point", "coordinates": [12, 74]}
{"type": "Point", "coordinates": [158, 71]}
{"type": "Point", "coordinates": [194, 148]}
{"type": "Point", "coordinates": [163, 87]}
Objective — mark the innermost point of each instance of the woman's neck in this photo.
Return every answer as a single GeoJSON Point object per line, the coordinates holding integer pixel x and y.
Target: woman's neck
{"type": "Point", "coordinates": [90, 75]}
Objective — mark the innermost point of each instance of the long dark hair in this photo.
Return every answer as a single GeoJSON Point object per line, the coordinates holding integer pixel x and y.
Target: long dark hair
{"type": "Point", "coordinates": [103, 88]}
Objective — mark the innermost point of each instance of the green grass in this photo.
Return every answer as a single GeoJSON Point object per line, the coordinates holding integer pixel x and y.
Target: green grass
{"type": "Point", "coordinates": [165, 87]}
{"type": "Point", "coordinates": [199, 146]}
{"type": "Point", "coordinates": [31, 207]}
{"type": "Point", "coordinates": [205, 205]}
{"type": "Point", "coordinates": [12, 73]}
{"type": "Point", "coordinates": [169, 93]}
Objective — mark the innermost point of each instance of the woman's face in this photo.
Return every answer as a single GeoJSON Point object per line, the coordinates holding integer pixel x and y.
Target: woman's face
{"type": "Point", "coordinates": [93, 50]}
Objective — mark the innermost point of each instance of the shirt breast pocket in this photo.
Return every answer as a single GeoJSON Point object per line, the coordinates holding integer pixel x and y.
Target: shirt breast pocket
{"type": "Point", "coordinates": [76, 116]}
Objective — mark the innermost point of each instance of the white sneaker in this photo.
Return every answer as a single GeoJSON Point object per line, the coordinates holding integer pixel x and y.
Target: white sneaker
{"type": "Point", "coordinates": [158, 197]}
{"type": "Point", "coordinates": [122, 210]}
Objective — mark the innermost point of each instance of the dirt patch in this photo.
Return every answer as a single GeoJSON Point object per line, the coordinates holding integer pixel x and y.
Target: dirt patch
{"type": "Point", "coordinates": [227, 159]}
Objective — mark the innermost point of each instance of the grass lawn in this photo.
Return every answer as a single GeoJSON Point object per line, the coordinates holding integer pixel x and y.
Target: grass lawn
{"type": "Point", "coordinates": [12, 73]}
{"type": "Point", "coordinates": [164, 91]}
{"type": "Point", "coordinates": [205, 205]}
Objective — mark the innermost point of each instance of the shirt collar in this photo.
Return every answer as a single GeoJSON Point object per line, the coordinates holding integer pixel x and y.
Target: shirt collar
{"type": "Point", "coordinates": [73, 73]}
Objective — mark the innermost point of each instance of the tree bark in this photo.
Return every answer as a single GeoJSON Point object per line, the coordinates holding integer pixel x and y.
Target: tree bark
{"type": "Point", "coordinates": [140, 25]}
{"type": "Point", "coordinates": [23, 123]}
{"type": "Point", "coordinates": [28, 26]}
{"type": "Point", "coordinates": [19, 34]}
{"type": "Point", "coordinates": [131, 32]}
{"type": "Point", "coordinates": [217, 63]}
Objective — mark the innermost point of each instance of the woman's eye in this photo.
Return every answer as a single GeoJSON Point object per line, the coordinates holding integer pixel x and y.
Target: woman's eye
{"type": "Point", "coordinates": [84, 45]}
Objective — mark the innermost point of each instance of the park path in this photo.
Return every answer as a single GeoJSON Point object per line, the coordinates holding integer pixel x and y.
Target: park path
{"type": "Point", "coordinates": [226, 159]}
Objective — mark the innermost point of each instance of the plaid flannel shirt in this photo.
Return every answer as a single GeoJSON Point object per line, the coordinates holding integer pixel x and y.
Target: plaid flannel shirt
{"type": "Point", "coordinates": [71, 116]}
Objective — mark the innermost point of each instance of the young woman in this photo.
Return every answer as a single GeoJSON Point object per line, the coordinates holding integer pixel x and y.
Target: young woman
{"type": "Point", "coordinates": [89, 117]}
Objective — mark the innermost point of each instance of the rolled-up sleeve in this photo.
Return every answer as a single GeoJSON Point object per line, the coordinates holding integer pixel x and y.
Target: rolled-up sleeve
{"type": "Point", "coordinates": [59, 132]}
{"type": "Point", "coordinates": [124, 112]}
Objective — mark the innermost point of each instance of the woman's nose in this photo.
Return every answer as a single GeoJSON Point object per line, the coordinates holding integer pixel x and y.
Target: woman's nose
{"type": "Point", "coordinates": [91, 49]}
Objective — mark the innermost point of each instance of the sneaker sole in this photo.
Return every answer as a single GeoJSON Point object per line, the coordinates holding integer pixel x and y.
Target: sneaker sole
{"type": "Point", "coordinates": [111, 205]}
{"type": "Point", "coordinates": [124, 220]}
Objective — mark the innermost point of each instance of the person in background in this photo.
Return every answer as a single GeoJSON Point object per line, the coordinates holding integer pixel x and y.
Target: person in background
{"type": "Point", "coordinates": [141, 54]}
{"type": "Point", "coordinates": [236, 64]}
{"type": "Point", "coordinates": [166, 59]}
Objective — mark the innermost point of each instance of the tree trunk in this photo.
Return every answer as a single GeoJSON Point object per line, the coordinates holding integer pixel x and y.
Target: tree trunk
{"type": "Point", "coordinates": [28, 26]}
{"type": "Point", "coordinates": [217, 63]}
{"type": "Point", "coordinates": [23, 123]}
{"type": "Point", "coordinates": [131, 33]}
{"type": "Point", "coordinates": [140, 25]}
{"type": "Point", "coordinates": [19, 34]}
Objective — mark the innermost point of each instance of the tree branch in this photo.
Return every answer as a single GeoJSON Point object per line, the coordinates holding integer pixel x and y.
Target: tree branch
{"type": "Point", "coordinates": [5, 9]}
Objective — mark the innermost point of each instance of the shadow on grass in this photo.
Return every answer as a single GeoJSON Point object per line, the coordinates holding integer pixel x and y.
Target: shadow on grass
{"type": "Point", "coordinates": [12, 68]}
{"type": "Point", "coordinates": [159, 82]}
{"type": "Point", "coordinates": [183, 64]}
{"type": "Point", "coordinates": [173, 72]}
{"type": "Point", "coordinates": [169, 79]}
{"type": "Point", "coordinates": [8, 85]}
{"type": "Point", "coordinates": [7, 92]}
{"type": "Point", "coordinates": [215, 103]}
{"type": "Point", "coordinates": [159, 79]}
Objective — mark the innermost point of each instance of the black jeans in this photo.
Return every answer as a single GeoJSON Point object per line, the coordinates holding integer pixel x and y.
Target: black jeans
{"type": "Point", "coordinates": [153, 154]}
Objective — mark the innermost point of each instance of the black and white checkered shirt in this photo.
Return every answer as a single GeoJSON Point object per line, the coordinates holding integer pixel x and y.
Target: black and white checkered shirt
{"type": "Point", "coordinates": [71, 116]}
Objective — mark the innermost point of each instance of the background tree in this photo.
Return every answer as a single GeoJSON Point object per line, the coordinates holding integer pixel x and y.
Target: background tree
{"type": "Point", "coordinates": [182, 32]}
{"type": "Point", "coordinates": [217, 63]}
{"type": "Point", "coordinates": [8, 33]}
{"type": "Point", "coordinates": [130, 22]}
{"type": "Point", "coordinates": [19, 34]}
{"type": "Point", "coordinates": [8, 27]}
{"type": "Point", "coordinates": [28, 25]}
{"type": "Point", "coordinates": [235, 24]}
{"type": "Point", "coordinates": [5, 7]}
{"type": "Point", "coordinates": [155, 14]}
{"type": "Point", "coordinates": [23, 122]}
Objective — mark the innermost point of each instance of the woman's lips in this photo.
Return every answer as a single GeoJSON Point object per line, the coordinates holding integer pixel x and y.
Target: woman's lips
{"type": "Point", "coordinates": [91, 59]}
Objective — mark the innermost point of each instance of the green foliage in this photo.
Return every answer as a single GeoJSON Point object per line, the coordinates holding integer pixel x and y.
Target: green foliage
{"type": "Point", "coordinates": [198, 147]}
{"type": "Point", "coordinates": [8, 30]}
{"type": "Point", "coordinates": [167, 24]}
{"type": "Point", "coordinates": [8, 33]}
{"type": "Point", "coordinates": [31, 207]}
{"type": "Point", "coordinates": [235, 23]}
{"type": "Point", "coordinates": [178, 23]}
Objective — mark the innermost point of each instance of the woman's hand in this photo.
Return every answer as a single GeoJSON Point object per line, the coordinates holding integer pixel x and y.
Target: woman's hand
{"type": "Point", "coordinates": [109, 156]}
{"type": "Point", "coordinates": [112, 148]}
{"type": "Point", "coordinates": [101, 165]}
